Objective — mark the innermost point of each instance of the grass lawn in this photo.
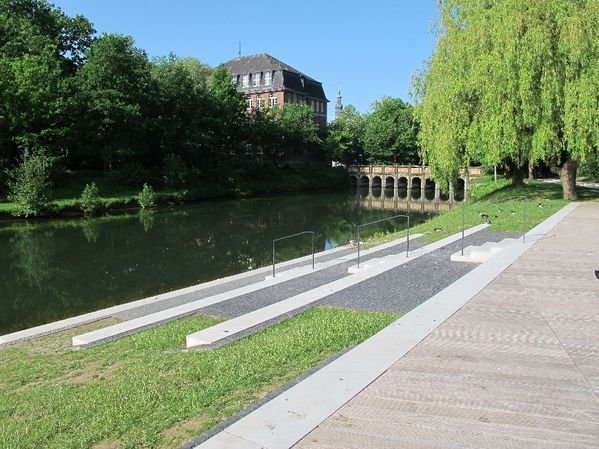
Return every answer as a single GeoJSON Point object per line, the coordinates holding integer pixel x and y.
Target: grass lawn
{"type": "Point", "coordinates": [497, 200]}
{"type": "Point", "coordinates": [143, 392]}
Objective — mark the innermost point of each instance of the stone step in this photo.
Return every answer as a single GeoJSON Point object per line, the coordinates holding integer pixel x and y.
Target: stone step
{"type": "Point", "coordinates": [482, 253]}
{"type": "Point", "coordinates": [253, 320]}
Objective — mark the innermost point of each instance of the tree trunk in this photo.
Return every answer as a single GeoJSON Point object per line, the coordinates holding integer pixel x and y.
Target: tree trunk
{"type": "Point", "coordinates": [531, 171]}
{"type": "Point", "coordinates": [514, 172]}
{"type": "Point", "coordinates": [567, 174]}
{"type": "Point", "coordinates": [517, 175]}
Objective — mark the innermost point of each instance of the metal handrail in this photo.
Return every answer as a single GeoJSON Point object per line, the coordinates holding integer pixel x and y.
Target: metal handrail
{"type": "Point", "coordinates": [379, 221]}
{"type": "Point", "coordinates": [288, 237]}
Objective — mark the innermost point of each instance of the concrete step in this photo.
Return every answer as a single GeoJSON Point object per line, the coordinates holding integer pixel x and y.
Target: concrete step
{"type": "Point", "coordinates": [482, 253]}
{"type": "Point", "coordinates": [254, 319]}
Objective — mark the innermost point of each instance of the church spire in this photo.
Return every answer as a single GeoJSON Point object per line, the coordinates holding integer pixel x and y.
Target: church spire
{"type": "Point", "coordinates": [338, 105]}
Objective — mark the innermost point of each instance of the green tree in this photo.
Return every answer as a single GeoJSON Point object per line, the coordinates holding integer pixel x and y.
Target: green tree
{"type": "Point", "coordinates": [40, 48]}
{"type": "Point", "coordinates": [390, 133]}
{"type": "Point", "coordinates": [344, 137]}
{"type": "Point", "coordinates": [227, 121]}
{"type": "Point", "coordinates": [511, 81]}
{"type": "Point", "coordinates": [181, 114]}
{"type": "Point", "coordinates": [114, 91]}
{"type": "Point", "coordinates": [29, 185]}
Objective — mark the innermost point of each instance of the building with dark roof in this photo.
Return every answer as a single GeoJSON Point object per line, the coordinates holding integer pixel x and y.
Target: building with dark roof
{"type": "Point", "coordinates": [266, 81]}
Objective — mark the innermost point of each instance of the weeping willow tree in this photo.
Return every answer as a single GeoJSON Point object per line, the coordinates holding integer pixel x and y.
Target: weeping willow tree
{"type": "Point", "coordinates": [511, 81]}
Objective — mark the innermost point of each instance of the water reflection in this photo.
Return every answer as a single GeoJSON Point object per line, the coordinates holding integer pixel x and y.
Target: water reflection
{"type": "Point", "coordinates": [405, 199]}
{"type": "Point", "coordinates": [50, 271]}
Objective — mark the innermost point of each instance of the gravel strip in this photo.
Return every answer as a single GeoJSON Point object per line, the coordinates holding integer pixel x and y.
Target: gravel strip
{"type": "Point", "coordinates": [264, 296]}
{"type": "Point", "coordinates": [409, 285]}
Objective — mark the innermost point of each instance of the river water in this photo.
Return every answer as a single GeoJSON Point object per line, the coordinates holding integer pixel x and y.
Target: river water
{"type": "Point", "coordinates": [55, 270]}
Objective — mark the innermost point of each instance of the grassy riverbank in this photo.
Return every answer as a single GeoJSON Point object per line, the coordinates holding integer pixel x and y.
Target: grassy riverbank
{"type": "Point", "coordinates": [117, 194]}
{"type": "Point", "coordinates": [498, 203]}
{"type": "Point", "coordinates": [142, 391]}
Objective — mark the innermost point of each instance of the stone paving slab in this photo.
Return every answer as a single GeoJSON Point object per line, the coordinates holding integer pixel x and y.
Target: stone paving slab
{"type": "Point", "coordinates": [516, 367]}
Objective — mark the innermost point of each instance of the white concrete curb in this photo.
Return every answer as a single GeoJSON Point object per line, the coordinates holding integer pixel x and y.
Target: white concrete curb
{"type": "Point", "coordinates": [227, 329]}
{"type": "Point", "coordinates": [154, 319]}
{"type": "Point", "coordinates": [79, 320]}
{"type": "Point", "coordinates": [282, 422]}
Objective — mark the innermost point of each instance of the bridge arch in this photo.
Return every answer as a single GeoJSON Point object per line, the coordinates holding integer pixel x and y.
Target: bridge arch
{"type": "Point", "coordinates": [416, 188]}
{"type": "Point", "coordinates": [402, 187]}
{"type": "Point", "coordinates": [429, 189]}
{"type": "Point", "coordinates": [353, 180]}
{"type": "Point", "coordinates": [389, 182]}
{"type": "Point", "coordinates": [377, 182]}
{"type": "Point", "coordinates": [364, 181]}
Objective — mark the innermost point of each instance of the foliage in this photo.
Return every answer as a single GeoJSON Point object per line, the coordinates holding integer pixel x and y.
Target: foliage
{"type": "Point", "coordinates": [90, 200]}
{"type": "Point", "coordinates": [501, 202]}
{"type": "Point", "coordinates": [113, 95]}
{"type": "Point", "coordinates": [344, 138]}
{"type": "Point", "coordinates": [147, 197]}
{"type": "Point", "coordinates": [590, 167]}
{"type": "Point", "coordinates": [514, 80]}
{"type": "Point", "coordinates": [29, 184]}
{"type": "Point", "coordinates": [390, 133]}
{"type": "Point", "coordinates": [141, 391]}
{"type": "Point", "coordinates": [174, 171]}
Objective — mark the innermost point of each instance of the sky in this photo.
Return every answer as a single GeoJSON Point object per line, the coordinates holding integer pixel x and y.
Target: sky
{"type": "Point", "coordinates": [368, 48]}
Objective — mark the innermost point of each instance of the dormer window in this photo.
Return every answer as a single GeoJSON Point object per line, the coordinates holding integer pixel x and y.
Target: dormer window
{"type": "Point", "coordinates": [267, 79]}
{"type": "Point", "coordinates": [256, 79]}
{"type": "Point", "coordinates": [302, 81]}
{"type": "Point", "coordinates": [245, 81]}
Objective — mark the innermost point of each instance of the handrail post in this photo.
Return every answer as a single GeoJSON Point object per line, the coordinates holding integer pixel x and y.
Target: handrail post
{"type": "Point", "coordinates": [379, 221]}
{"type": "Point", "coordinates": [524, 219]}
{"type": "Point", "coordinates": [358, 246]}
{"type": "Point", "coordinates": [408, 239]}
{"type": "Point", "coordinates": [313, 236]}
{"type": "Point", "coordinates": [289, 236]}
{"type": "Point", "coordinates": [463, 220]}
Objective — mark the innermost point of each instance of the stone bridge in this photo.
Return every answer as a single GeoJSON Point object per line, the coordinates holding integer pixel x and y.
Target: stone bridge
{"type": "Point", "coordinates": [413, 178]}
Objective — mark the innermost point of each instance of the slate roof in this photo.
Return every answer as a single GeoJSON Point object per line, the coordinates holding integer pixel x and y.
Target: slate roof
{"type": "Point", "coordinates": [285, 78]}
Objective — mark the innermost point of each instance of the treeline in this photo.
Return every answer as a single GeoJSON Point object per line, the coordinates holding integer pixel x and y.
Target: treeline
{"type": "Point", "coordinates": [75, 101]}
{"type": "Point", "coordinates": [98, 102]}
{"type": "Point", "coordinates": [386, 135]}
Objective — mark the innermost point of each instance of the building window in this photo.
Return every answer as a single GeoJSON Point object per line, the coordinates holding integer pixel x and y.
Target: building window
{"type": "Point", "coordinates": [256, 79]}
{"type": "Point", "coordinates": [245, 81]}
{"type": "Point", "coordinates": [249, 103]}
{"type": "Point", "coordinates": [261, 101]}
{"type": "Point", "coordinates": [273, 99]}
{"type": "Point", "coordinates": [267, 79]}
{"type": "Point", "coordinates": [234, 79]}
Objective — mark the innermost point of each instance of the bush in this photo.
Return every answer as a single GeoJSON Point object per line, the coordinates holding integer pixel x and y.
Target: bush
{"type": "Point", "coordinates": [29, 185]}
{"type": "Point", "coordinates": [174, 171]}
{"type": "Point", "coordinates": [146, 197]}
{"type": "Point", "coordinates": [590, 167]}
{"type": "Point", "coordinates": [90, 200]}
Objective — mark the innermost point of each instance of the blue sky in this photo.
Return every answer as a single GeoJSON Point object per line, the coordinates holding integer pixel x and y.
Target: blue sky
{"type": "Point", "coordinates": [369, 48]}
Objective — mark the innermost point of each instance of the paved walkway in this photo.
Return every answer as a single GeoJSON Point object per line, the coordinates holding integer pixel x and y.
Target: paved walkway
{"type": "Point", "coordinates": [516, 367]}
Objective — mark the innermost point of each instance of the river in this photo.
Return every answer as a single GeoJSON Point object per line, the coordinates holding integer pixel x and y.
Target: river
{"type": "Point", "coordinates": [58, 269]}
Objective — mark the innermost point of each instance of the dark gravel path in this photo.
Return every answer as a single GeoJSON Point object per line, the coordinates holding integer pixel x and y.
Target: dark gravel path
{"type": "Point", "coordinates": [263, 297]}
{"type": "Point", "coordinates": [409, 285]}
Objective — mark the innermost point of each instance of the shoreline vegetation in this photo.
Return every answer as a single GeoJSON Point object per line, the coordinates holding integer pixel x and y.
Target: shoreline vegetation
{"type": "Point", "coordinates": [498, 203]}
{"type": "Point", "coordinates": [121, 197]}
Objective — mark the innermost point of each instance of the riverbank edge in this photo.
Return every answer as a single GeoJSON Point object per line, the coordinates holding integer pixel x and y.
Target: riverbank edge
{"type": "Point", "coordinates": [90, 317]}
{"type": "Point", "coordinates": [331, 179]}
